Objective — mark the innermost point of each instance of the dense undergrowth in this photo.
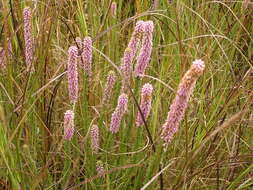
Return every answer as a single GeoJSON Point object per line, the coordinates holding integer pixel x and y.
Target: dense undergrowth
{"type": "Point", "coordinates": [212, 148]}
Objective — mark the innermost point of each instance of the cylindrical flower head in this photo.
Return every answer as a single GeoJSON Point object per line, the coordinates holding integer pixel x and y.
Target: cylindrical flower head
{"type": "Point", "coordinates": [87, 55]}
{"type": "Point", "coordinates": [179, 105]}
{"type": "Point", "coordinates": [126, 64]}
{"type": "Point", "coordinates": [122, 103]}
{"type": "Point", "coordinates": [68, 124]}
{"type": "Point", "coordinates": [114, 9]}
{"type": "Point", "coordinates": [111, 79]}
{"type": "Point", "coordinates": [145, 105]}
{"type": "Point", "coordinates": [117, 115]}
{"type": "Point", "coordinates": [27, 15]}
{"type": "Point", "coordinates": [94, 134]}
{"type": "Point", "coordinates": [136, 38]}
{"type": "Point", "coordinates": [146, 49]}
{"type": "Point", "coordinates": [72, 74]}
{"type": "Point", "coordinates": [126, 68]}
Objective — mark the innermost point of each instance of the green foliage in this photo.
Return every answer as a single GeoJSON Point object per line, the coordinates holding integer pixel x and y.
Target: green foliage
{"type": "Point", "coordinates": [33, 154]}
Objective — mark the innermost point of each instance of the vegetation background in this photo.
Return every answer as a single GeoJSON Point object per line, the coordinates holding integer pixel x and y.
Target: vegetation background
{"type": "Point", "coordinates": [213, 147]}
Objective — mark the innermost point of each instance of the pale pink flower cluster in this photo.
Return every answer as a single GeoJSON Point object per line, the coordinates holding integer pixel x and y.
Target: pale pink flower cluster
{"type": "Point", "coordinates": [145, 105]}
{"type": "Point", "coordinates": [72, 74]}
{"type": "Point", "coordinates": [94, 134]}
{"type": "Point", "coordinates": [110, 82]}
{"type": "Point", "coordinates": [85, 48]}
{"type": "Point", "coordinates": [129, 54]}
{"type": "Point", "coordinates": [179, 105]}
{"type": "Point", "coordinates": [68, 124]}
{"type": "Point", "coordinates": [136, 38]}
{"type": "Point", "coordinates": [126, 68]}
{"type": "Point", "coordinates": [27, 15]}
{"type": "Point", "coordinates": [143, 32]}
{"type": "Point", "coordinates": [117, 115]}
{"type": "Point", "coordinates": [87, 55]}
{"type": "Point", "coordinates": [146, 49]}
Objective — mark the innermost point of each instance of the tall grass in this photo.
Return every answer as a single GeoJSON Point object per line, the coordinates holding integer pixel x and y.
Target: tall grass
{"type": "Point", "coordinates": [213, 146]}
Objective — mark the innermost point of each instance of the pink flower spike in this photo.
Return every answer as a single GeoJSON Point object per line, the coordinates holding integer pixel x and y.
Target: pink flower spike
{"type": "Point", "coordinates": [94, 134]}
{"type": "Point", "coordinates": [27, 15]}
{"type": "Point", "coordinates": [110, 82]}
{"type": "Point", "coordinates": [179, 104]}
{"type": "Point", "coordinates": [72, 74]}
{"type": "Point", "coordinates": [87, 55]}
{"type": "Point", "coordinates": [68, 124]}
{"type": "Point", "coordinates": [126, 68]}
{"type": "Point", "coordinates": [145, 105]}
{"type": "Point", "coordinates": [136, 38]}
{"type": "Point", "coordinates": [146, 49]}
{"type": "Point", "coordinates": [117, 115]}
